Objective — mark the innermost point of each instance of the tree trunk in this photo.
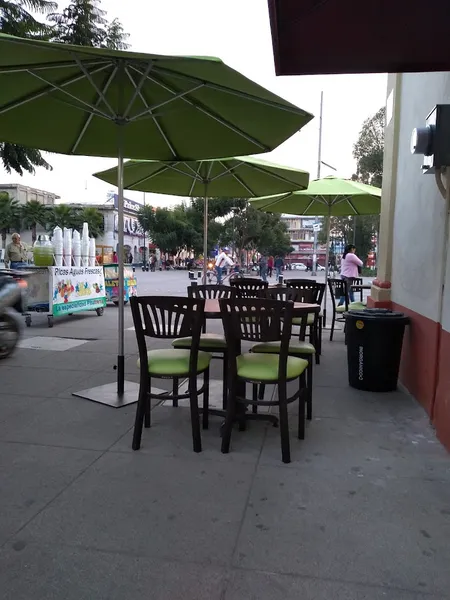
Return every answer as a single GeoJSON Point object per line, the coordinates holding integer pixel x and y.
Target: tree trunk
{"type": "Point", "coordinates": [4, 239]}
{"type": "Point", "coordinates": [33, 233]}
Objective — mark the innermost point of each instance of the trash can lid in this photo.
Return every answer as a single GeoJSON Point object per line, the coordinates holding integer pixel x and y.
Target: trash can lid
{"type": "Point", "coordinates": [378, 314]}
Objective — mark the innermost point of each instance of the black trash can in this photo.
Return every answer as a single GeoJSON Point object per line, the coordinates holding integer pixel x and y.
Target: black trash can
{"type": "Point", "coordinates": [374, 340]}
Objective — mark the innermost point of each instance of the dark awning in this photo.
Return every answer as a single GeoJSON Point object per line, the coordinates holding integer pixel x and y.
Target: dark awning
{"type": "Point", "coordinates": [359, 36]}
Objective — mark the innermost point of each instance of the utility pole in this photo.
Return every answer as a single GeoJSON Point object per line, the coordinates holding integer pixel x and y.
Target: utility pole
{"type": "Point", "coordinates": [319, 165]}
{"type": "Point", "coordinates": [144, 254]}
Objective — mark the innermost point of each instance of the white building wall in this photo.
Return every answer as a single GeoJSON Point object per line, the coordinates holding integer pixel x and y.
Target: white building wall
{"type": "Point", "coordinates": [419, 224]}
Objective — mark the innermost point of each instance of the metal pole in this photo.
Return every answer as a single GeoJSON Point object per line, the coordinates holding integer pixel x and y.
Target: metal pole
{"type": "Point", "coordinates": [354, 230]}
{"type": "Point", "coordinates": [144, 252]}
{"type": "Point", "coordinates": [319, 165]}
{"type": "Point", "coordinates": [121, 306]}
{"type": "Point", "coordinates": [327, 259]}
{"type": "Point", "coordinates": [319, 156]}
{"type": "Point", "coordinates": [205, 236]}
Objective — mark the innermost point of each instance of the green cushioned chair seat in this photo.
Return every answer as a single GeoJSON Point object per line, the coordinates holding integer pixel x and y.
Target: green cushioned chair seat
{"type": "Point", "coordinates": [264, 367]}
{"type": "Point", "coordinates": [207, 341]}
{"type": "Point", "coordinates": [295, 347]}
{"type": "Point", "coordinates": [309, 320]}
{"type": "Point", "coordinates": [351, 306]}
{"type": "Point", "coordinates": [175, 363]}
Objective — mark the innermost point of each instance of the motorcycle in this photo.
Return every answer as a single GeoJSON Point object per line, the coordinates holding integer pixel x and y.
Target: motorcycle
{"type": "Point", "coordinates": [12, 305]}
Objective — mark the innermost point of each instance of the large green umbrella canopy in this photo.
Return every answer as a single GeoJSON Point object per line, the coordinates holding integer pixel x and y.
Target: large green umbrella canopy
{"type": "Point", "coordinates": [241, 177]}
{"type": "Point", "coordinates": [99, 102]}
{"type": "Point", "coordinates": [331, 197]}
{"type": "Point", "coordinates": [172, 106]}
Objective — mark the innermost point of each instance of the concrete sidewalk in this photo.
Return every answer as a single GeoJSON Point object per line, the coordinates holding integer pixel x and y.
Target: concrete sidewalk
{"type": "Point", "coordinates": [362, 512]}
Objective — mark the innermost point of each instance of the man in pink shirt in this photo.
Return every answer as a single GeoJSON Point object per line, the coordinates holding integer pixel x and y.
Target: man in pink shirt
{"type": "Point", "coordinates": [349, 270]}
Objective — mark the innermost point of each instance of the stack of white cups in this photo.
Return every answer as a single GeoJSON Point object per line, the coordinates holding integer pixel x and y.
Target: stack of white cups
{"type": "Point", "coordinates": [67, 239]}
{"type": "Point", "coordinates": [76, 248]}
{"type": "Point", "coordinates": [58, 246]}
{"type": "Point", "coordinates": [92, 252]}
{"type": "Point", "coordinates": [85, 245]}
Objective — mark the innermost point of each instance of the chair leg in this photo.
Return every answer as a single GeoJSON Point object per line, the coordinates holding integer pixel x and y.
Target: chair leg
{"type": "Point", "coordinates": [229, 419]}
{"type": "Point", "coordinates": [255, 397]}
{"type": "Point", "coordinates": [148, 406]}
{"type": "Point", "coordinates": [301, 408]}
{"type": "Point", "coordinates": [206, 399]}
{"type": "Point", "coordinates": [175, 386]}
{"type": "Point", "coordinates": [309, 385]}
{"type": "Point", "coordinates": [332, 327]}
{"type": "Point", "coordinates": [140, 414]}
{"type": "Point", "coordinates": [225, 381]}
{"type": "Point", "coordinates": [195, 416]}
{"type": "Point", "coordinates": [318, 339]}
{"type": "Point", "coordinates": [262, 391]}
{"type": "Point", "coordinates": [284, 424]}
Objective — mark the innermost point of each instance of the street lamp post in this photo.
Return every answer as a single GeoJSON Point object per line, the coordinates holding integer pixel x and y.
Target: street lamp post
{"type": "Point", "coordinates": [234, 209]}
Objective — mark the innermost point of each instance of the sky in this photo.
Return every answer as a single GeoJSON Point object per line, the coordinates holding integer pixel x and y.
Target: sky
{"type": "Point", "coordinates": [238, 32]}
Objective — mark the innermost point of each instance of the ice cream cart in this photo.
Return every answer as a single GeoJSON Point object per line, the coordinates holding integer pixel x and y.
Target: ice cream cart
{"type": "Point", "coordinates": [112, 282]}
{"type": "Point", "coordinates": [60, 291]}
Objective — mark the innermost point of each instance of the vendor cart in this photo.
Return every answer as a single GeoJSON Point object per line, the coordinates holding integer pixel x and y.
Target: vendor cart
{"type": "Point", "coordinates": [61, 291]}
{"type": "Point", "coordinates": [111, 273]}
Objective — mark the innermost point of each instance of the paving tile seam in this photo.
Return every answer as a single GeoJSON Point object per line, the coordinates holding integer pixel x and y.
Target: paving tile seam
{"type": "Point", "coordinates": [59, 446]}
{"type": "Point", "coordinates": [250, 490]}
{"type": "Point", "coordinates": [375, 586]}
{"type": "Point", "coordinates": [64, 489]}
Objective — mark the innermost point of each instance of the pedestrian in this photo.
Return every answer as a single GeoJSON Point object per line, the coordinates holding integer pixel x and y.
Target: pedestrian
{"type": "Point", "coordinates": [115, 260]}
{"type": "Point", "coordinates": [222, 261]}
{"type": "Point", "coordinates": [16, 254]}
{"type": "Point", "coordinates": [349, 270]}
{"type": "Point", "coordinates": [263, 267]}
{"type": "Point", "coordinates": [270, 263]}
{"type": "Point", "coordinates": [278, 264]}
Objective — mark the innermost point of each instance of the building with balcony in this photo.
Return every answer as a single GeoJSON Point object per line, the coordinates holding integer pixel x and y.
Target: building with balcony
{"type": "Point", "coordinates": [301, 234]}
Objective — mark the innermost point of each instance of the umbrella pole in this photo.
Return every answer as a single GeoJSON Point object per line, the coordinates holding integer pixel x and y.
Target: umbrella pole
{"type": "Point", "coordinates": [327, 260]}
{"type": "Point", "coordinates": [205, 237]}
{"type": "Point", "coordinates": [120, 255]}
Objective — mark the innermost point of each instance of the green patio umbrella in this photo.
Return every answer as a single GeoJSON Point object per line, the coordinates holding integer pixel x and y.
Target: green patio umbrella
{"type": "Point", "coordinates": [330, 197]}
{"type": "Point", "coordinates": [240, 177]}
{"type": "Point", "coordinates": [99, 102]}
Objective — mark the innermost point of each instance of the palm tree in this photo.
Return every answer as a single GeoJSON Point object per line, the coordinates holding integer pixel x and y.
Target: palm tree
{"type": "Point", "coordinates": [62, 215]}
{"type": "Point", "coordinates": [9, 215]}
{"type": "Point", "coordinates": [34, 213]}
{"type": "Point", "coordinates": [94, 218]}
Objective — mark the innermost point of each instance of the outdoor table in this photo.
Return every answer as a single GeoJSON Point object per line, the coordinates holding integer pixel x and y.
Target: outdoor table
{"type": "Point", "coordinates": [212, 308]}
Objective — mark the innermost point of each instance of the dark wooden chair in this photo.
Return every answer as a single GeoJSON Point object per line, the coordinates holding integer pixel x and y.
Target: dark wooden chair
{"type": "Point", "coordinates": [248, 287]}
{"type": "Point", "coordinates": [300, 348]}
{"type": "Point", "coordinates": [169, 318]}
{"type": "Point", "coordinates": [339, 289]}
{"type": "Point", "coordinates": [271, 321]}
{"type": "Point", "coordinates": [359, 281]}
{"type": "Point", "coordinates": [211, 342]}
{"type": "Point", "coordinates": [315, 292]}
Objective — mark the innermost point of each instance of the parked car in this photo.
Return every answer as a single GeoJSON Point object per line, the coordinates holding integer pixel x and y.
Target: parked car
{"type": "Point", "coordinates": [299, 266]}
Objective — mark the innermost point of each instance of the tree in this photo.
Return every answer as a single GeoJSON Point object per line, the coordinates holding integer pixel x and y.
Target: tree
{"type": "Point", "coordinates": [369, 148]}
{"type": "Point", "coordinates": [62, 215]}
{"type": "Point", "coordinates": [9, 215]}
{"type": "Point", "coordinates": [16, 18]}
{"type": "Point", "coordinates": [165, 228]}
{"type": "Point", "coordinates": [34, 213]}
{"type": "Point", "coordinates": [84, 23]}
{"type": "Point", "coordinates": [343, 229]}
{"type": "Point", "coordinates": [93, 217]}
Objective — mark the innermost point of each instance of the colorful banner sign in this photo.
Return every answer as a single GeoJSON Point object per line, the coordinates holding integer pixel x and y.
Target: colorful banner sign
{"type": "Point", "coordinates": [76, 289]}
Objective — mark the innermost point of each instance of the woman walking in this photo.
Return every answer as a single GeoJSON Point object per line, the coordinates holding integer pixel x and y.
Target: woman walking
{"type": "Point", "coordinates": [349, 270]}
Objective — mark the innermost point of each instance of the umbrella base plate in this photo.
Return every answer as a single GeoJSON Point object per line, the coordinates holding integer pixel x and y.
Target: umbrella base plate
{"type": "Point", "coordinates": [107, 394]}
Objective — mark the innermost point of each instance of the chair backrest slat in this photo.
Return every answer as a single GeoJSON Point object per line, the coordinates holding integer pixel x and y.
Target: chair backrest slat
{"type": "Point", "coordinates": [248, 288]}
{"type": "Point", "coordinates": [166, 317]}
{"type": "Point", "coordinates": [338, 289]}
{"type": "Point", "coordinates": [312, 289]}
{"type": "Point", "coordinates": [210, 291]}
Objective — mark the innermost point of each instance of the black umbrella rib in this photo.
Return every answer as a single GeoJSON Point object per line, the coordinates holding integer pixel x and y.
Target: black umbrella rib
{"type": "Point", "coordinates": [50, 66]}
{"type": "Point", "coordinates": [274, 175]}
{"type": "Point", "coordinates": [155, 120]}
{"type": "Point", "coordinates": [199, 106]}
